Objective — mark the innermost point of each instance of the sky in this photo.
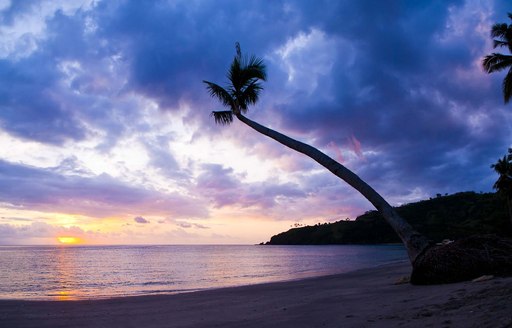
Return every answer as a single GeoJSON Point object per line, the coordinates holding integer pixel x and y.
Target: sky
{"type": "Point", "coordinates": [106, 135]}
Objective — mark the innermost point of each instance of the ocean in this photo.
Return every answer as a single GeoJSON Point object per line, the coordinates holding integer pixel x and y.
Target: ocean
{"type": "Point", "coordinates": [92, 272]}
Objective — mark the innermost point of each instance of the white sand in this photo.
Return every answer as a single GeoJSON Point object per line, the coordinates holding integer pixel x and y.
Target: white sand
{"type": "Point", "coordinates": [364, 298]}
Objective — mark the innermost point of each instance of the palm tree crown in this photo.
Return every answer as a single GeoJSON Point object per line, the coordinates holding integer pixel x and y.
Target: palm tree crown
{"type": "Point", "coordinates": [244, 75]}
{"type": "Point", "coordinates": [495, 62]}
{"type": "Point", "coordinates": [504, 168]}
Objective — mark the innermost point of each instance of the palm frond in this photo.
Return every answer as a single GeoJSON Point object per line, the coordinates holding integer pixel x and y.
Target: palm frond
{"type": "Point", "coordinates": [499, 30]}
{"type": "Point", "coordinates": [235, 73]}
{"type": "Point", "coordinates": [496, 62]}
{"type": "Point", "coordinates": [251, 94]}
{"type": "Point", "coordinates": [244, 71]}
{"type": "Point", "coordinates": [498, 43]}
{"type": "Point", "coordinates": [220, 93]}
{"type": "Point", "coordinates": [243, 88]}
{"type": "Point", "coordinates": [238, 49]}
{"type": "Point", "coordinates": [507, 86]}
{"type": "Point", "coordinates": [223, 117]}
{"type": "Point", "coordinates": [501, 166]}
{"type": "Point", "coordinates": [509, 156]}
{"type": "Point", "coordinates": [504, 168]}
{"type": "Point", "coordinates": [503, 184]}
{"type": "Point", "coordinates": [256, 69]}
{"type": "Point", "coordinates": [509, 15]}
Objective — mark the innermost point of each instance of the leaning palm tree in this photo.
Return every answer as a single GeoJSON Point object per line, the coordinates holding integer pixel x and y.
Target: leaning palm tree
{"type": "Point", "coordinates": [245, 76]}
{"type": "Point", "coordinates": [496, 62]}
{"type": "Point", "coordinates": [504, 183]}
{"type": "Point", "coordinates": [243, 90]}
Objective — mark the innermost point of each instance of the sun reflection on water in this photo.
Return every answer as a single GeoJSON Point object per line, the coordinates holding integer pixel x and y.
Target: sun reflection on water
{"type": "Point", "coordinates": [64, 296]}
{"type": "Point", "coordinates": [66, 275]}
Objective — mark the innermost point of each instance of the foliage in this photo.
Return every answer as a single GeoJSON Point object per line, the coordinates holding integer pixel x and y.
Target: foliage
{"type": "Point", "coordinates": [446, 217]}
{"type": "Point", "coordinates": [504, 168]}
{"type": "Point", "coordinates": [243, 89]}
{"type": "Point", "coordinates": [495, 62]}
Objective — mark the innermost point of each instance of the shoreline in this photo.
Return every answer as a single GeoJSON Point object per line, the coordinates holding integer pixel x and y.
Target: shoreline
{"type": "Point", "coordinates": [363, 298]}
{"type": "Point", "coordinates": [305, 276]}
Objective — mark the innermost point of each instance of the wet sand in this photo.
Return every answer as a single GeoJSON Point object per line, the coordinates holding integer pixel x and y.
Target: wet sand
{"type": "Point", "coordinates": [364, 298]}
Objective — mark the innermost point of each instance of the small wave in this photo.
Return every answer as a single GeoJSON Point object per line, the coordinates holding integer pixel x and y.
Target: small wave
{"type": "Point", "coordinates": [156, 283]}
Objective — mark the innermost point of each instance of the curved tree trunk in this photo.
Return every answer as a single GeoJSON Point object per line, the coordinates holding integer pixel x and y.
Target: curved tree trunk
{"type": "Point", "coordinates": [415, 243]}
{"type": "Point", "coordinates": [509, 205]}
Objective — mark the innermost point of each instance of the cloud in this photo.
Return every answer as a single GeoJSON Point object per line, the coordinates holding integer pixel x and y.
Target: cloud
{"type": "Point", "coordinates": [337, 151]}
{"type": "Point", "coordinates": [44, 116]}
{"type": "Point", "coordinates": [140, 219]}
{"type": "Point", "coordinates": [226, 188]}
{"type": "Point", "coordinates": [96, 196]}
{"type": "Point", "coordinates": [356, 146]}
{"type": "Point", "coordinates": [36, 233]}
{"type": "Point", "coordinates": [184, 224]}
{"type": "Point", "coordinates": [25, 23]}
{"type": "Point", "coordinates": [390, 96]}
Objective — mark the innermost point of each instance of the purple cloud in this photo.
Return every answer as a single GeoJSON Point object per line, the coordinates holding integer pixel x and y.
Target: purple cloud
{"type": "Point", "coordinates": [185, 224]}
{"type": "Point", "coordinates": [140, 219]}
{"type": "Point", "coordinates": [36, 233]}
{"type": "Point", "coordinates": [98, 196]}
{"type": "Point", "coordinates": [226, 188]}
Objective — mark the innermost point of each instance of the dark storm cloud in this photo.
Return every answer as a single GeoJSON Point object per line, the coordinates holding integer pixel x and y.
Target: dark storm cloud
{"type": "Point", "coordinates": [412, 94]}
{"type": "Point", "coordinates": [41, 98]}
{"type": "Point", "coordinates": [31, 108]}
{"type": "Point", "coordinates": [69, 85]}
{"type": "Point", "coordinates": [171, 48]}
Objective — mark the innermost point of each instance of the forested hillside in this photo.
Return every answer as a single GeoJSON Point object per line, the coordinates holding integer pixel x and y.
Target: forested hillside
{"type": "Point", "coordinates": [443, 217]}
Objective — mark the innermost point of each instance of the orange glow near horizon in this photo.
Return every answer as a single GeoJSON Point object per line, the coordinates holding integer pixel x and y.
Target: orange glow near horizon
{"type": "Point", "coordinates": [66, 240]}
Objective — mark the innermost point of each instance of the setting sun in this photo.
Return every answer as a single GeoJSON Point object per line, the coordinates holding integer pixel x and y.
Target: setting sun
{"type": "Point", "coordinates": [68, 240]}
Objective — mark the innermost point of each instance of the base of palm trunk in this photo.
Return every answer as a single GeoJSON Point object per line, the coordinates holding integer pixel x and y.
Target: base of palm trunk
{"type": "Point", "coordinates": [463, 260]}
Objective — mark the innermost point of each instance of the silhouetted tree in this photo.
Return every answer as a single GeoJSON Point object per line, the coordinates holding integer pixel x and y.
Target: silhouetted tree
{"type": "Point", "coordinates": [495, 62]}
{"type": "Point", "coordinates": [504, 183]}
{"type": "Point", "coordinates": [430, 264]}
{"type": "Point", "coordinates": [244, 75]}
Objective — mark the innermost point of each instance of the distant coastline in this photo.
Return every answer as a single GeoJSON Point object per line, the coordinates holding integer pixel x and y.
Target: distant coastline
{"type": "Point", "coordinates": [442, 217]}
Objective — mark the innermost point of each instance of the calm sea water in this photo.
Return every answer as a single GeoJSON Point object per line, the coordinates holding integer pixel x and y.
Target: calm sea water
{"type": "Point", "coordinates": [61, 273]}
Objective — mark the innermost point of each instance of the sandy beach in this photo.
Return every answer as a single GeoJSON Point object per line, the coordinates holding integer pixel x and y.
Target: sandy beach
{"type": "Point", "coordinates": [364, 298]}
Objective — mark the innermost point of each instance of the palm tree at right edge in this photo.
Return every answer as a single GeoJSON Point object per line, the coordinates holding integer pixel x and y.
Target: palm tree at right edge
{"type": "Point", "coordinates": [504, 183]}
{"type": "Point", "coordinates": [496, 62]}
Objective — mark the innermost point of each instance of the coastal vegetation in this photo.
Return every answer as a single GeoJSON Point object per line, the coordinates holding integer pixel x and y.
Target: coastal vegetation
{"type": "Point", "coordinates": [503, 184]}
{"type": "Point", "coordinates": [431, 263]}
{"type": "Point", "coordinates": [440, 218]}
{"type": "Point", "coordinates": [496, 62]}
